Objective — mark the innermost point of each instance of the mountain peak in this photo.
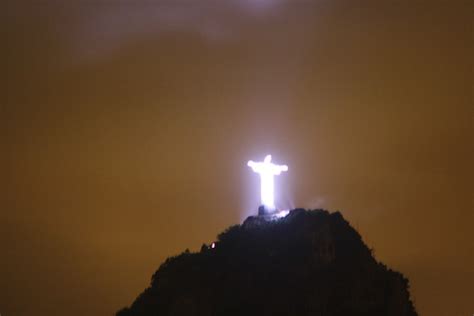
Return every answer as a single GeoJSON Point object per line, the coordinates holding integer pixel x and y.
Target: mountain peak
{"type": "Point", "coordinates": [305, 263]}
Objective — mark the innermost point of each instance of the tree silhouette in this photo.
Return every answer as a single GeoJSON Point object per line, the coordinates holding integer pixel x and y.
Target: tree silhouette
{"type": "Point", "coordinates": [307, 263]}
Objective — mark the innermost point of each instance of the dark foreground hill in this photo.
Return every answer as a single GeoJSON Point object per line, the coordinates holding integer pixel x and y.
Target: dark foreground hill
{"type": "Point", "coordinates": [307, 263]}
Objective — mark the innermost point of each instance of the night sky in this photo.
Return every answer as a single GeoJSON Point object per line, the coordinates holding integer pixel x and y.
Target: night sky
{"type": "Point", "coordinates": [127, 127]}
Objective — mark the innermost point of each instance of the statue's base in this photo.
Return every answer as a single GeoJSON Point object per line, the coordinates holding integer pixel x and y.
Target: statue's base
{"type": "Point", "coordinates": [270, 214]}
{"type": "Point", "coordinates": [264, 216]}
{"type": "Point", "coordinates": [263, 210]}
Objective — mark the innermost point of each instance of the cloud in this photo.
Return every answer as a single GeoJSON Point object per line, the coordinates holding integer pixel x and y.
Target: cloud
{"type": "Point", "coordinates": [102, 26]}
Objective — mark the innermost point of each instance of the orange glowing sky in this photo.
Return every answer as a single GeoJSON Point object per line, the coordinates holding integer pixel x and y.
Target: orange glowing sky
{"type": "Point", "coordinates": [127, 128]}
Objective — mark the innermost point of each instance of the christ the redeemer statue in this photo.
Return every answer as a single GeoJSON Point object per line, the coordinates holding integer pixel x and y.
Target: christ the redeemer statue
{"type": "Point", "coordinates": [267, 171]}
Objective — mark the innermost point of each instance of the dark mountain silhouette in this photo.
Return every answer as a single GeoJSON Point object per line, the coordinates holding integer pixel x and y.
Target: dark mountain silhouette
{"type": "Point", "coordinates": [307, 263]}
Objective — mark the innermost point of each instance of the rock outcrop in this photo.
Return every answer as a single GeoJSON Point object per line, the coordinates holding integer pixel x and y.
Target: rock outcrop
{"type": "Point", "coordinates": [306, 263]}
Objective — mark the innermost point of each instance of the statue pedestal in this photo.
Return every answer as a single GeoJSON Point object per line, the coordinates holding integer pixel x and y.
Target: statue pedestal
{"type": "Point", "coordinates": [262, 211]}
{"type": "Point", "coordinates": [270, 214]}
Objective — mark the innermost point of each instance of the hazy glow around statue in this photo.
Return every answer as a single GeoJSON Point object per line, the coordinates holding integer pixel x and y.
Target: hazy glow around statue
{"type": "Point", "coordinates": [267, 171]}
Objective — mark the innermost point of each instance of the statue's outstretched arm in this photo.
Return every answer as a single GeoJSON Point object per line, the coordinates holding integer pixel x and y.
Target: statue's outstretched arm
{"type": "Point", "coordinates": [253, 165]}
{"type": "Point", "coordinates": [279, 169]}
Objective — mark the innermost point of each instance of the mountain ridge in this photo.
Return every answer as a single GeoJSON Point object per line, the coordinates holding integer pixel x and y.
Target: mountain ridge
{"type": "Point", "coordinates": [309, 262]}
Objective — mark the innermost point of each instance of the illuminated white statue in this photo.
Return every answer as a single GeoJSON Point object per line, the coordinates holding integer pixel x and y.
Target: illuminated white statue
{"type": "Point", "coordinates": [267, 171]}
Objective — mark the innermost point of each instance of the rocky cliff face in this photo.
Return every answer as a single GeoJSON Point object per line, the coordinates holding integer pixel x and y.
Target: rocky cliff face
{"type": "Point", "coordinates": [307, 263]}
